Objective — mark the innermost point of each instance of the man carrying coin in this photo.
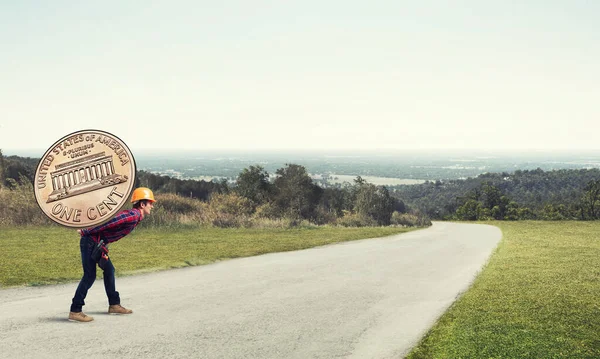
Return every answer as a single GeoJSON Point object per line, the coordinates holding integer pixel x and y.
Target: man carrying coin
{"type": "Point", "coordinates": [121, 225]}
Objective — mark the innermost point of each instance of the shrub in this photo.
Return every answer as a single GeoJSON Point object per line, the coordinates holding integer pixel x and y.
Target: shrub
{"type": "Point", "coordinates": [263, 223]}
{"type": "Point", "coordinates": [267, 210]}
{"type": "Point", "coordinates": [173, 210]}
{"type": "Point", "coordinates": [356, 220]}
{"type": "Point", "coordinates": [178, 204]}
{"type": "Point", "coordinates": [160, 217]}
{"type": "Point", "coordinates": [322, 216]}
{"type": "Point", "coordinates": [18, 205]}
{"type": "Point", "coordinates": [553, 213]}
{"type": "Point", "coordinates": [410, 220]}
{"type": "Point", "coordinates": [229, 210]}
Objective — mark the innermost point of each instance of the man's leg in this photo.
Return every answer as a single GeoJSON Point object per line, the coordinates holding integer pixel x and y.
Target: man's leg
{"type": "Point", "coordinates": [89, 276]}
{"type": "Point", "coordinates": [109, 284]}
{"type": "Point", "coordinates": [114, 301]}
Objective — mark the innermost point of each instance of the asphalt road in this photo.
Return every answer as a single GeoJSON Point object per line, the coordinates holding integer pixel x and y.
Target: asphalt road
{"type": "Point", "coordinates": [365, 299]}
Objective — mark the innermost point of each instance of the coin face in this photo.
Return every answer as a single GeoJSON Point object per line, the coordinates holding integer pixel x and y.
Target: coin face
{"type": "Point", "coordinates": [84, 178]}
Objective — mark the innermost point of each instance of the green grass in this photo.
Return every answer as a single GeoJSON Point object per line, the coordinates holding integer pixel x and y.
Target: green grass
{"type": "Point", "coordinates": [50, 254]}
{"type": "Point", "coordinates": [538, 297]}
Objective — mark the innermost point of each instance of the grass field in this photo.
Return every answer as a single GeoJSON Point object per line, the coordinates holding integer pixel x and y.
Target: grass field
{"type": "Point", "coordinates": [538, 297]}
{"type": "Point", "coordinates": [49, 255]}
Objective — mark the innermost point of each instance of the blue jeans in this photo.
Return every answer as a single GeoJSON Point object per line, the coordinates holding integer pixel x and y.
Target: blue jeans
{"type": "Point", "coordinates": [89, 276]}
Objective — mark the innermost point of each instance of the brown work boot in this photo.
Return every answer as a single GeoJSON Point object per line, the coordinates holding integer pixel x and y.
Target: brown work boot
{"type": "Point", "coordinates": [79, 317]}
{"type": "Point", "coordinates": [118, 309]}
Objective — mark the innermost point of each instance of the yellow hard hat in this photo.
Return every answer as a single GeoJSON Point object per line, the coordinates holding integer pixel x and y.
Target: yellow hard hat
{"type": "Point", "coordinates": [142, 193]}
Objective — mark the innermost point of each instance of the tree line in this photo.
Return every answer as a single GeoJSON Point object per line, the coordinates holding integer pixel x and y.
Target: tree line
{"type": "Point", "coordinates": [289, 193]}
{"type": "Point", "coordinates": [572, 194]}
{"type": "Point", "coordinates": [568, 194]}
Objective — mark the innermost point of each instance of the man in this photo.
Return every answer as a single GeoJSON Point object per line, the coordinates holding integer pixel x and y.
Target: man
{"type": "Point", "coordinates": [121, 225]}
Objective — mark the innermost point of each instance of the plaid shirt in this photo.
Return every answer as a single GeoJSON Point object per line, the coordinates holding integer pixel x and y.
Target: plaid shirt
{"type": "Point", "coordinates": [118, 227]}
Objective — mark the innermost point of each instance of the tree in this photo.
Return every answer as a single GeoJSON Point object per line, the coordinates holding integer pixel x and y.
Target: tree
{"type": "Point", "coordinates": [553, 213]}
{"type": "Point", "coordinates": [495, 201]}
{"type": "Point", "coordinates": [491, 195]}
{"type": "Point", "coordinates": [295, 194]}
{"type": "Point", "coordinates": [512, 212]}
{"type": "Point", "coordinates": [253, 184]}
{"type": "Point", "coordinates": [469, 211]}
{"type": "Point", "coordinates": [350, 193]}
{"type": "Point", "coordinates": [374, 202]}
{"type": "Point", "coordinates": [591, 200]}
{"type": "Point", "coordinates": [333, 200]}
{"type": "Point", "coordinates": [17, 168]}
{"type": "Point", "coordinates": [400, 206]}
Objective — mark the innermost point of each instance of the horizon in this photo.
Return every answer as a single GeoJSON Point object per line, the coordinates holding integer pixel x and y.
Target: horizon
{"type": "Point", "coordinates": [440, 153]}
{"type": "Point", "coordinates": [385, 168]}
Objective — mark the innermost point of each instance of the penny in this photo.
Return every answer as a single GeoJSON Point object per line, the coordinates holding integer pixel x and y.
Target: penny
{"type": "Point", "coordinates": [84, 178]}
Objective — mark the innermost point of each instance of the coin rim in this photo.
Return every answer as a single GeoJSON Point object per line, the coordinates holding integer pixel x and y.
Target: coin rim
{"type": "Point", "coordinates": [133, 179]}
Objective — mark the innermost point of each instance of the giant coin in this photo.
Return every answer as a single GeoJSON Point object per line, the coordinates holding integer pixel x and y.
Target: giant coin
{"type": "Point", "coordinates": [84, 178]}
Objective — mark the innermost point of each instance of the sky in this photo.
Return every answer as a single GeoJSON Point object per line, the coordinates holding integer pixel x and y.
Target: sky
{"type": "Point", "coordinates": [302, 75]}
